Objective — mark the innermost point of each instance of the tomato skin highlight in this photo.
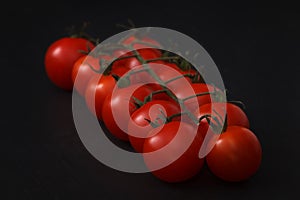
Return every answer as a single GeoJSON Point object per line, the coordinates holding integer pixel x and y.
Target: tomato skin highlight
{"type": "Point", "coordinates": [141, 127]}
{"type": "Point", "coordinates": [60, 58]}
{"type": "Point", "coordinates": [236, 155]}
{"type": "Point", "coordinates": [187, 165]}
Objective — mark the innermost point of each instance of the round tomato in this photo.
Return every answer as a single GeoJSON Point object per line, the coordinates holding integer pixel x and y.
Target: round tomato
{"type": "Point", "coordinates": [174, 152]}
{"type": "Point", "coordinates": [139, 125]}
{"type": "Point", "coordinates": [60, 58]}
{"type": "Point", "coordinates": [96, 91]}
{"type": "Point", "coordinates": [236, 155]}
{"type": "Point", "coordinates": [118, 106]}
{"type": "Point", "coordinates": [82, 72]}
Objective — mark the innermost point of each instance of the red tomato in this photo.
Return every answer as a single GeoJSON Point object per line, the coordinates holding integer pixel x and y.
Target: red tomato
{"type": "Point", "coordinates": [82, 72]}
{"type": "Point", "coordinates": [176, 146]}
{"type": "Point", "coordinates": [123, 104]}
{"type": "Point", "coordinates": [236, 155]}
{"type": "Point", "coordinates": [60, 58]}
{"type": "Point", "coordinates": [96, 91]}
{"type": "Point", "coordinates": [139, 127]}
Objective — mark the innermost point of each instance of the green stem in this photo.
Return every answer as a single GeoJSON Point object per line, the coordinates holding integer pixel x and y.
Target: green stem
{"type": "Point", "coordinates": [163, 84]}
{"type": "Point", "coordinates": [216, 127]}
{"type": "Point", "coordinates": [178, 77]}
{"type": "Point", "coordinates": [197, 95]}
{"type": "Point", "coordinates": [162, 58]}
{"type": "Point", "coordinates": [124, 57]}
{"type": "Point", "coordinates": [165, 89]}
{"type": "Point", "coordinates": [170, 118]}
{"type": "Point", "coordinates": [93, 69]}
{"type": "Point", "coordinates": [150, 96]}
{"type": "Point", "coordinates": [137, 102]}
{"type": "Point", "coordinates": [154, 125]}
{"type": "Point", "coordinates": [225, 124]}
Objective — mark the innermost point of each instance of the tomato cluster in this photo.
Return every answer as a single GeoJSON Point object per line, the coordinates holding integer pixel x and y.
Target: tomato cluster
{"type": "Point", "coordinates": [158, 102]}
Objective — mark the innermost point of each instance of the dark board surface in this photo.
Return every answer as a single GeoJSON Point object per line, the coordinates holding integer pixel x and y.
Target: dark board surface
{"type": "Point", "coordinates": [255, 48]}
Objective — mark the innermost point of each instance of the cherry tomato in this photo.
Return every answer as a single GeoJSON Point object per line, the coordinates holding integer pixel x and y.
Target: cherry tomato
{"type": "Point", "coordinates": [139, 125]}
{"type": "Point", "coordinates": [60, 58]}
{"type": "Point", "coordinates": [96, 91]}
{"type": "Point", "coordinates": [236, 155]}
{"type": "Point", "coordinates": [235, 116]}
{"type": "Point", "coordinates": [122, 103]}
{"type": "Point", "coordinates": [176, 145]}
{"type": "Point", "coordinates": [82, 72]}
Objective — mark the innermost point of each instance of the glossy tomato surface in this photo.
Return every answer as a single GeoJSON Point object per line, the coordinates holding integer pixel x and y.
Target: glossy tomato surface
{"type": "Point", "coordinates": [118, 106]}
{"type": "Point", "coordinates": [177, 145]}
{"type": "Point", "coordinates": [60, 58]}
{"type": "Point", "coordinates": [154, 111]}
{"type": "Point", "coordinates": [236, 155]}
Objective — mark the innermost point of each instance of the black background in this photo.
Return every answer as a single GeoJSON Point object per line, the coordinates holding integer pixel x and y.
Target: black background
{"type": "Point", "coordinates": [256, 49]}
